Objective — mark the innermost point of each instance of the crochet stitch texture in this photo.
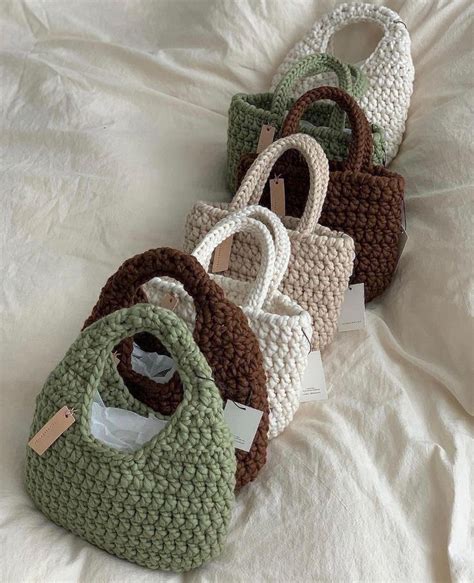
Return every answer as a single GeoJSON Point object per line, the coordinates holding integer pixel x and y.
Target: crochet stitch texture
{"type": "Point", "coordinates": [321, 259]}
{"type": "Point", "coordinates": [363, 201]}
{"type": "Point", "coordinates": [282, 327]}
{"type": "Point", "coordinates": [389, 69]}
{"type": "Point", "coordinates": [165, 506]}
{"type": "Point", "coordinates": [221, 332]}
{"type": "Point", "coordinates": [325, 123]}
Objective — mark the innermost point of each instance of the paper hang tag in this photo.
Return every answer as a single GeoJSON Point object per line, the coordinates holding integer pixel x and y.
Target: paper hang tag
{"type": "Point", "coordinates": [243, 422]}
{"type": "Point", "coordinates": [313, 385]}
{"type": "Point", "coordinates": [267, 133]}
{"type": "Point", "coordinates": [221, 258]}
{"type": "Point", "coordinates": [53, 429]}
{"type": "Point", "coordinates": [402, 241]}
{"type": "Point", "coordinates": [352, 316]}
{"type": "Point", "coordinates": [277, 196]}
{"type": "Point", "coordinates": [169, 301]}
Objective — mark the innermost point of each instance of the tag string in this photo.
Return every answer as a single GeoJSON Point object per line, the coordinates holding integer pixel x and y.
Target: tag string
{"type": "Point", "coordinates": [309, 341]}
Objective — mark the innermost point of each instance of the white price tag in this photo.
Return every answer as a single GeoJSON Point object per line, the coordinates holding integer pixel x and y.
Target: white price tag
{"type": "Point", "coordinates": [402, 241]}
{"type": "Point", "coordinates": [352, 316]}
{"type": "Point", "coordinates": [243, 422]}
{"type": "Point", "coordinates": [313, 385]}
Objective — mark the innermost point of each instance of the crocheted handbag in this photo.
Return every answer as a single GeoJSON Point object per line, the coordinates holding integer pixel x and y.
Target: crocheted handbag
{"type": "Point", "coordinates": [389, 69]}
{"type": "Point", "coordinates": [363, 201]}
{"type": "Point", "coordinates": [221, 332]}
{"type": "Point", "coordinates": [166, 505]}
{"type": "Point", "coordinates": [325, 123]}
{"type": "Point", "coordinates": [282, 327]}
{"type": "Point", "coordinates": [321, 259]}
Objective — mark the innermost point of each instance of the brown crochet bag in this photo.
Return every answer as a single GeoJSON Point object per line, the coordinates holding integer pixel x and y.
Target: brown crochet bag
{"type": "Point", "coordinates": [221, 332]}
{"type": "Point", "coordinates": [363, 200]}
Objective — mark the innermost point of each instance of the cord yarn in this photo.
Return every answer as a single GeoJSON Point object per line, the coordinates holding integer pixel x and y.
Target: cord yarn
{"type": "Point", "coordinates": [282, 327]}
{"type": "Point", "coordinates": [165, 506]}
{"type": "Point", "coordinates": [363, 201]}
{"type": "Point", "coordinates": [221, 332]}
{"type": "Point", "coordinates": [389, 69]}
{"type": "Point", "coordinates": [324, 122]}
{"type": "Point", "coordinates": [321, 259]}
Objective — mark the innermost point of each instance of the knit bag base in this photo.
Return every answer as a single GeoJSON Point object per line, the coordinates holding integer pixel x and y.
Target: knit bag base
{"type": "Point", "coordinates": [165, 506]}
{"type": "Point", "coordinates": [363, 200]}
{"type": "Point", "coordinates": [282, 327]}
{"type": "Point", "coordinates": [321, 259]}
{"type": "Point", "coordinates": [222, 332]}
{"type": "Point", "coordinates": [324, 122]}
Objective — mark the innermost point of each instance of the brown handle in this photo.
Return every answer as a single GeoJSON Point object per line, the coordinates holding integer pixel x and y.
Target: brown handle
{"type": "Point", "coordinates": [122, 289]}
{"type": "Point", "coordinates": [360, 150]}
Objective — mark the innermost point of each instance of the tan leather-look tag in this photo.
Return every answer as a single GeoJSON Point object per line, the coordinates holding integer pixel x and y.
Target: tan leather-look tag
{"type": "Point", "coordinates": [169, 301]}
{"type": "Point", "coordinates": [267, 133]}
{"type": "Point", "coordinates": [222, 256]}
{"type": "Point", "coordinates": [277, 196]}
{"type": "Point", "coordinates": [53, 429]}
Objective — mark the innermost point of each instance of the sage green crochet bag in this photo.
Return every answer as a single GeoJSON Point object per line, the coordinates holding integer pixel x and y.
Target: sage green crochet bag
{"type": "Point", "coordinates": [164, 506]}
{"type": "Point", "coordinates": [325, 122]}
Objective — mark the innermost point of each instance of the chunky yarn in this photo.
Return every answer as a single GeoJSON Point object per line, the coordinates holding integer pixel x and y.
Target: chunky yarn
{"type": "Point", "coordinates": [325, 123]}
{"type": "Point", "coordinates": [167, 505]}
{"type": "Point", "coordinates": [363, 201]}
{"type": "Point", "coordinates": [282, 327]}
{"type": "Point", "coordinates": [389, 69]}
{"type": "Point", "coordinates": [221, 332]}
{"type": "Point", "coordinates": [321, 259]}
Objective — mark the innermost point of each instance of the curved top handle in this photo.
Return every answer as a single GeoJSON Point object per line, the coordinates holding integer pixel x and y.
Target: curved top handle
{"type": "Point", "coordinates": [361, 147]}
{"type": "Point", "coordinates": [351, 13]}
{"type": "Point", "coordinates": [251, 187]}
{"type": "Point", "coordinates": [100, 338]}
{"type": "Point", "coordinates": [120, 290]}
{"type": "Point", "coordinates": [308, 67]}
{"type": "Point", "coordinates": [236, 223]}
{"type": "Point", "coordinates": [280, 238]}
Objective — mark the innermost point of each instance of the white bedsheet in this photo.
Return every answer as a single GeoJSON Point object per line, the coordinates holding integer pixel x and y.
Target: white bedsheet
{"type": "Point", "coordinates": [113, 124]}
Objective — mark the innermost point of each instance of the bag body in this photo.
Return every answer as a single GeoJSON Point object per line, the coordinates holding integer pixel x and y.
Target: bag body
{"type": "Point", "coordinates": [166, 505]}
{"type": "Point", "coordinates": [389, 69]}
{"type": "Point", "coordinates": [321, 259]}
{"type": "Point", "coordinates": [282, 327]}
{"type": "Point", "coordinates": [222, 333]}
{"type": "Point", "coordinates": [363, 200]}
{"type": "Point", "coordinates": [325, 123]}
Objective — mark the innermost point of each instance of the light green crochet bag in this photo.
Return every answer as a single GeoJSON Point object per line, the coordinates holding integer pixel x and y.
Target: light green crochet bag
{"type": "Point", "coordinates": [325, 122]}
{"type": "Point", "coordinates": [164, 506]}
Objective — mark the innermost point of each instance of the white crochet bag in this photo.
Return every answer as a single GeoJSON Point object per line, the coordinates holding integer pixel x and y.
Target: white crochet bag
{"type": "Point", "coordinates": [321, 259]}
{"type": "Point", "coordinates": [389, 69]}
{"type": "Point", "coordinates": [282, 327]}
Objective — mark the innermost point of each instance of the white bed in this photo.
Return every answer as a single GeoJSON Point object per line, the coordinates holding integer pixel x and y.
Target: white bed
{"type": "Point", "coordinates": [113, 124]}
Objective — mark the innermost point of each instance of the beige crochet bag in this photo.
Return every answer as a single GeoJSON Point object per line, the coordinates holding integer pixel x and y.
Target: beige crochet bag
{"type": "Point", "coordinates": [321, 259]}
{"type": "Point", "coordinates": [282, 327]}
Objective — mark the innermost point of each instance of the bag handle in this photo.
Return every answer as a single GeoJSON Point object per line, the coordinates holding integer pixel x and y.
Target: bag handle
{"type": "Point", "coordinates": [99, 339]}
{"type": "Point", "coordinates": [345, 14]}
{"type": "Point", "coordinates": [237, 223]}
{"type": "Point", "coordinates": [361, 146]}
{"type": "Point", "coordinates": [122, 289]}
{"type": "Point", "coordinates": [280, 238]}
{"type": "Point", "coordinates": [307, 67]}
{"type": "Point", "coordinates": [251, 188]}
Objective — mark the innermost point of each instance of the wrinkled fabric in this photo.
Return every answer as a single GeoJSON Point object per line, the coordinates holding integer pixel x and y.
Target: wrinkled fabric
{"type": "Point", "coordinates": [113, 124]}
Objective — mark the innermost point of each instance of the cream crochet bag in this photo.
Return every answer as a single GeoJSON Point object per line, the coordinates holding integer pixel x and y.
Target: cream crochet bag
{"type": "Point", "coordinates": [321, 259]}
{"type": "Point", "coordinates": [389, 69]}
{"type": "Point", "coordinates": [282, 327]}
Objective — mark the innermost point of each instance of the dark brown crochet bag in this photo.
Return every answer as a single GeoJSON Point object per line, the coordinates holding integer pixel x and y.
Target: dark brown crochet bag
{"type": "Point", "coordinates": [363, 200]}
{"type": "Point", "coordinates": [221, 332]}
